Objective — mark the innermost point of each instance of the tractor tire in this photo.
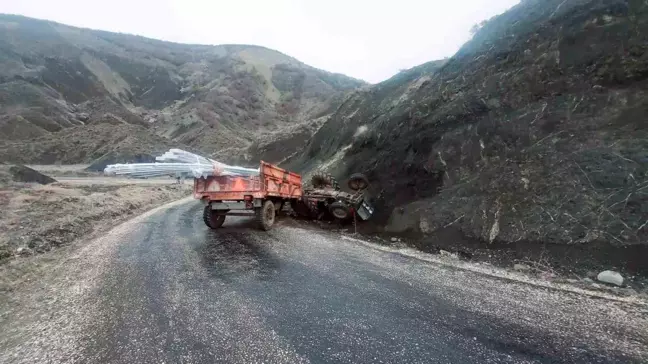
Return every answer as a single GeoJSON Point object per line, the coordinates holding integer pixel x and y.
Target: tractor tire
{"type": "Point", "coordinates": [266, 215]}
{"type": "Point", "coordinates": [358, 182]}
{"type": "Point", "coordinates": [322, 180]}
{"type": "Point", "coordinates": [212, 220]}
{"type": "Point", "coordinates": [340, 210]}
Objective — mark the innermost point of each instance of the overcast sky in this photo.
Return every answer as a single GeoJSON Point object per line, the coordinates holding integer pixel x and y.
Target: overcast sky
{"type": "Point", "coordinates": [367, 39]}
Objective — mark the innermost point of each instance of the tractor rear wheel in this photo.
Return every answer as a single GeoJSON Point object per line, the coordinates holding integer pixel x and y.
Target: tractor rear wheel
{"type": "Point", "coordinates": [358, 182]}
{"type": "Point", "coordinates": [321, 180]}
{"type": "Point", "coordinates": [212, 219]}
{"type": "Point", "coordinates": [265, 215]}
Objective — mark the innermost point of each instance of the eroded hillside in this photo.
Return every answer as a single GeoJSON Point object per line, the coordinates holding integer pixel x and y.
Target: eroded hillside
{"type": "Point", "coordinates": [54, 76]}
{"type": "Point", "coordinates": [534, 132]}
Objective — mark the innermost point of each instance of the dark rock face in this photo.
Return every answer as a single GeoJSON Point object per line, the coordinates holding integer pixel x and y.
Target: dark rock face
{"type": "Point", "coordinates": [21, 173]}
{"type": "Point", "coordinates": [535, 131]}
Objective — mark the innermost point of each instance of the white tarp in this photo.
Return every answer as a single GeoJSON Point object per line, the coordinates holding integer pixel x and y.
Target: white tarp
{"type": "Point", "coordinates": [177, 162]}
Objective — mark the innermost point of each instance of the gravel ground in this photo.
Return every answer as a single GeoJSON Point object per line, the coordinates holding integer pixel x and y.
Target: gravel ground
{"type": "Point", "coordinates": [37, 218]}
{"type": "Point", "coordinates": [164, 288]}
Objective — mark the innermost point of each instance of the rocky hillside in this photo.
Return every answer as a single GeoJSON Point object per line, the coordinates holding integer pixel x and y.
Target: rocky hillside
{"type": "Point", "coordinates": [54, 76]}
{"type": "Point", "coordinates": [100, 144]}
{"type": "Point", "coordinates": [533, 134]}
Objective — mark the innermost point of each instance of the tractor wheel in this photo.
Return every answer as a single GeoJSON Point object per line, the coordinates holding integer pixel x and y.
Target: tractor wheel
{"type": "Point", "coordinates": [265, 215]}
{"type": "Point", "coordinates": [358, 182]}
{"type": "Point", "coordinates": [340, 210]}
{"type": "Point", "coordinates": [211, 219]}
{"type": "Point", "coordinates": [321, 180]}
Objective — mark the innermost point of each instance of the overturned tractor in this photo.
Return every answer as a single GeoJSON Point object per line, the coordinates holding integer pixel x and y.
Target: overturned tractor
{"type": "Point", "coordinates": [323, 199]}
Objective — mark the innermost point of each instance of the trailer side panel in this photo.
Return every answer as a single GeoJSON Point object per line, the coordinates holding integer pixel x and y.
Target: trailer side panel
{"type": "Point", "coordinates": [272, 182]}
{"type": "Point", "coordinates": [279, 182]}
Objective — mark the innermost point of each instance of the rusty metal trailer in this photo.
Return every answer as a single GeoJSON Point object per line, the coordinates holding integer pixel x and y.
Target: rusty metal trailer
{"type": "Point", "coordinates": [262, 196]}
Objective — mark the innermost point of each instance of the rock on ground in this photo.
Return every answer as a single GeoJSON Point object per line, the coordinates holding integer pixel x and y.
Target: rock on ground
{"type": "Point", "coordinates": [521, 267]}
{"type": "Point", "coordinates": [21, 173]}
{"type": "Point", "coordinates": [610, 277]}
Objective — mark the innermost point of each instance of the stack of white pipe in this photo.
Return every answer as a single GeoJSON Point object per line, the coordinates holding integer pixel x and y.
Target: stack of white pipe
{"type": "Point", "coordinates": [179, 163]}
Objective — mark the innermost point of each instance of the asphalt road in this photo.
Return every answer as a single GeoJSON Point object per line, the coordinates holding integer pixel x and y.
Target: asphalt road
{"type": "Point", "coordinates": [165, 289]}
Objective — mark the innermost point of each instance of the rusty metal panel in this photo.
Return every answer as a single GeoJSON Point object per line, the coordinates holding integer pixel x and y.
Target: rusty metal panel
{"type": "Point", "coordinates": [228, 196]}
{"type": "Point", "coordinates": [280, 182]}
{"type": "Point", "coordinates": [272, 181]}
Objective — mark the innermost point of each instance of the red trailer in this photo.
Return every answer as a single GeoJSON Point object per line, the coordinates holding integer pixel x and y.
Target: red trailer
{"type": "Point", "coordinates": [262, 196]}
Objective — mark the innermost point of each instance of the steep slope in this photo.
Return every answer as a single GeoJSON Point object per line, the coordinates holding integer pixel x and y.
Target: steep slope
{"type": "Point", "coordinates": [54, 76]}
{"type": "Point", "coordinates": [535, 132]}
{"type": "Point", "coordinates": [90, 143]}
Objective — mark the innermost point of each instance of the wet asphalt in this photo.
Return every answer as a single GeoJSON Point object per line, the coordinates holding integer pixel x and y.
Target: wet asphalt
{"type": "Point", "coordinates": [174, 291]}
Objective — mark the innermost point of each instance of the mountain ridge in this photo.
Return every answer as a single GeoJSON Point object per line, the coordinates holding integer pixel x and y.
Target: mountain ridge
{"type": "Point", "coordinates": [53, 76]}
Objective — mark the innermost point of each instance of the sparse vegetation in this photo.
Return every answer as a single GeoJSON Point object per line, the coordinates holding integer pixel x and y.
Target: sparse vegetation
{"type": "Point", "coordinates": [36, 218]}
{"type": "Point", "coordinates": [209, 97]}
{"type": "Point", "coordinates": [532, 134]}
{"type": "Point", "coordinates": [87, 144]}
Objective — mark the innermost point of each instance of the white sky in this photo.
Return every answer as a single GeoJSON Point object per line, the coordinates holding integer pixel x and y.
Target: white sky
{"type": "Point", "coordinates": [370, 40]}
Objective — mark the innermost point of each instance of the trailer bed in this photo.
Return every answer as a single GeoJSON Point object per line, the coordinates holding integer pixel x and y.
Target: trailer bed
{"type": "Point", "coordinates": [264, 194]}
{"type": "Point", "coordinates": [272, 181]}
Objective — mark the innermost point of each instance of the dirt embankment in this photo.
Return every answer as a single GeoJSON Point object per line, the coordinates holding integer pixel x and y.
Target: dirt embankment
{"type": "Point", "coordinates": [36, 218]}
{"type": "Point", "coordinates": [533, 135]}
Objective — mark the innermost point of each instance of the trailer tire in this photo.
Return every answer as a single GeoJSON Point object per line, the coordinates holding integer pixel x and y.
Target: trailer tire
{"type": "Point", "coordinates": [212, 220]}
{"type": "Point", "coordinates": [266, 215]}
{"type": "Point", "coordinates": [321, 180]}
{"type": "Point", "coordinates": [340, 210]}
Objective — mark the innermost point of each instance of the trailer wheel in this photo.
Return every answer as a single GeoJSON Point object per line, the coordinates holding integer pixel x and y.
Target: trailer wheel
{"type": "Point", "coordinates": [265, 215]}
{"type": "Point", "coordinates": [340, 210]}
{"type": "Point", "coordinates": [321, 180]}
{"type": "Point", "coordinates": [212, 220]}
{"type": "Point", "coordinates": [358, 182]}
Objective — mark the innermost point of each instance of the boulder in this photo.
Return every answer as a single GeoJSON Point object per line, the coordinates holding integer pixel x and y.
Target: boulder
{"type": "Point", "coordinates": [521, 267]}
{"type": "Point", "coordinates": [83, 117]}
{"type": "Point", "coordinates": [23, 251]}
{"type": "Point", "coordinates": [610, 277]}
{"type": "Point", "coordinates": [446, 253]}
{"type": "Point", "coordinates": [20, 173]}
